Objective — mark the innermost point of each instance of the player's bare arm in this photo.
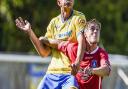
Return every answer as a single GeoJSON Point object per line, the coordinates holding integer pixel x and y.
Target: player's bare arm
{"type": "Point", "coordinates": [81, 48]}
{"type": "Point", "coordinates": [53, 43]}
{"type": "Point", "coordinates": [80, 53]}
{"type": "Point", "coordinates": [26, 27]}
{"type": "Point", "coordinates": [80, 25]}
{"type": "Point", "coordinates": [101, 71]}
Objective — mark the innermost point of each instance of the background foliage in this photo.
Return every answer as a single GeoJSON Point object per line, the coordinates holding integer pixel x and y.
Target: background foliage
{"type": "Point", "coordinates": [113, 14]}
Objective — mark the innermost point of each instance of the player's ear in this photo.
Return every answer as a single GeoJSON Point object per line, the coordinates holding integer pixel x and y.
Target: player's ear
{"type": "Point", "coordinates": [58, 2]}
{"type": "Point", "coordinates": [85, 32]}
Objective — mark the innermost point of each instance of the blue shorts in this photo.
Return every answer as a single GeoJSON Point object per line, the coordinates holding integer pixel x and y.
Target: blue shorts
{"type": "Point", "coordinates": [58, 81]}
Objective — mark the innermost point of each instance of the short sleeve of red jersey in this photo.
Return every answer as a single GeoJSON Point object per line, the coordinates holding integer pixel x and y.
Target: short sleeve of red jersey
{"type": "Point", "coordinates": [69, 49]}
{"type": "Point", "coordinates": [104, 59]}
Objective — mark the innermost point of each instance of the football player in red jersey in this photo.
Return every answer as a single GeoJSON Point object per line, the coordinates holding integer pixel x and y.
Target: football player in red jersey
{"type": "Point", "coordinates": [95, 64]}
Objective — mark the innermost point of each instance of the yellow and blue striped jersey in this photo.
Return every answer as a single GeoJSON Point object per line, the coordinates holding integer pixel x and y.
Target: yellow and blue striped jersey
{"type": "Point", "coordinates": [64, 30]}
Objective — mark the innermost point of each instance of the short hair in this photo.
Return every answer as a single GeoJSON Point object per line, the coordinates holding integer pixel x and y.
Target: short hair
{"type": "Point", "coordinates": [93, 21]}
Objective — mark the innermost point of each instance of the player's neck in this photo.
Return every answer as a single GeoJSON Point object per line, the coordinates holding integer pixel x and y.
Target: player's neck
{"type": "Point", "coordinates": [65, 14]}
{"type": "Point", "coordinates": [91, 47]}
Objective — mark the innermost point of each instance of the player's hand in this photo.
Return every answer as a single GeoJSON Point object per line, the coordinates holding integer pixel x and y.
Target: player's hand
{"type": "Point", "coordinates": [88, 71]}
{"type": "Point", "coordinates": [23, 25]}
{"type": "Point", "coordinates": [75, 68]}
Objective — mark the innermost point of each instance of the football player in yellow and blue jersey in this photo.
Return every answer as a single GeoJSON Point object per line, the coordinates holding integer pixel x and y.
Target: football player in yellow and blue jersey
{"type": "Point", "coordinates": [66, 26]}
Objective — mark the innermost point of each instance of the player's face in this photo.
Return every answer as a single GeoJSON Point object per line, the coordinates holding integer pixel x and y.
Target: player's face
{"type": "Point", "coordinates": [67, 4]}
{"type": "Point", "coordinates": [92, 33]}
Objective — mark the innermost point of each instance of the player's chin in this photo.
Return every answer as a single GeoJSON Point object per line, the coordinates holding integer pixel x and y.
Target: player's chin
{"type": "Point", "coordinates": [67, 8]}
{"type": "Point", "coordinates": [94, 42]}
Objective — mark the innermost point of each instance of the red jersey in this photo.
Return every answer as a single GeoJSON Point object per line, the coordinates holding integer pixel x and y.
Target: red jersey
{"type": "Point", "coordinates": [94, 59]}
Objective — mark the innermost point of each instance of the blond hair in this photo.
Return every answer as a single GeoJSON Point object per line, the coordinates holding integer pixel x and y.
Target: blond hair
{"type": "Point", "coordinates": [93, 21]}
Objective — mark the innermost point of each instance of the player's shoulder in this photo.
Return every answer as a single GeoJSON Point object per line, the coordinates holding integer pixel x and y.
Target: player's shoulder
{"type": "Point", "coordinates": [102, 50]}
{"type": "Point", "coordinates": [78, 17]}
{"type": "Point", "coordinates": [78, 13]}
{"type": "Point", "coordinates": [55, 19]}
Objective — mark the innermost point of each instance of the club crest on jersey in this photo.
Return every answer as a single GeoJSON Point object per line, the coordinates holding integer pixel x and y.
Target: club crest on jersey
{"type": "Point", "coordinates": [94, 63]}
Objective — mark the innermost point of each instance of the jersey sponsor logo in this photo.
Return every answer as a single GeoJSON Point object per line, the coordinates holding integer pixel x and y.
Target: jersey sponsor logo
{"type": "Point", "coordinates": [94, 63]}
{"type": "Point", "coordinates": [87, 58]}
{"type": "Point", "coordinates": [65, 34]}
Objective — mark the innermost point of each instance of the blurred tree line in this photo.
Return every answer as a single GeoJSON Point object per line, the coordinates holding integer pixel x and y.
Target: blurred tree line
{"type": "Point", "coordinates": [113, 14]}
